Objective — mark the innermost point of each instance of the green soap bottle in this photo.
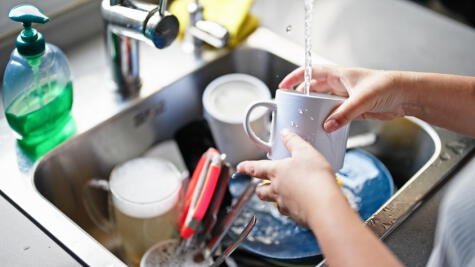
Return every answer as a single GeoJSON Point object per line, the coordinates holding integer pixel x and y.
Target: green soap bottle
{"type": "Point", "coordinates": [37, 89]}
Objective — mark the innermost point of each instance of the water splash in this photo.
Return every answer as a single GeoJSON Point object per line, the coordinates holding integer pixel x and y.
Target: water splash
{"type": "Point", "coordinates": [308, 45]}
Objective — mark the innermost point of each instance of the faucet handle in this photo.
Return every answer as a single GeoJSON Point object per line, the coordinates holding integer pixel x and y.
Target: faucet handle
{"type": "Point", "coordinates": [210, 32]}
{"type": "Point", "coordinates": [162, 30]}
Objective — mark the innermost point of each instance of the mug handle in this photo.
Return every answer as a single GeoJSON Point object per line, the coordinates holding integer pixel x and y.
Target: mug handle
{"type": "Point", "coordinates": [101, 221]}
{"type": "Point", "coordinates": [266, 146]}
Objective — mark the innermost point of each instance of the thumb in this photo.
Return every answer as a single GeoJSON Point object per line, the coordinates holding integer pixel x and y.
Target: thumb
{"type": "Point", "coordinates": [349, 110]}
{"type": "Point", "coordinates": [293, 142]}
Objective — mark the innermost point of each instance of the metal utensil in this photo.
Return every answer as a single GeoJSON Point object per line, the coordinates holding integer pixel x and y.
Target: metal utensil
{"type": "Point", "coordinates": [221, 229]}
{"type": "Point", "coordinates": [233, 246]}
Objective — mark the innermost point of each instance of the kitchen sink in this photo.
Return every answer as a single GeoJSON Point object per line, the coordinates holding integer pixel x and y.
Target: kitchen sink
{"type": "Point", "coordinates": [418, 155]}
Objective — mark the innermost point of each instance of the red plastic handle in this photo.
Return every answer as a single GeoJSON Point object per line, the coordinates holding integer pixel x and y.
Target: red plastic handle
{"type": "Point", "coordinates": [204, 199]}
{"type": "Point", "coordinates": [191, 187]}
{"type": "Point", "coordinates": [208, 192]}
{"type": "Point", "coordinates": [210, 154]}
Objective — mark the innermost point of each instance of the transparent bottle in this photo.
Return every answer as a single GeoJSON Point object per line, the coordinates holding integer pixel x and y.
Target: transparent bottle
{"type": "Point", "coordinates": [37, 88]}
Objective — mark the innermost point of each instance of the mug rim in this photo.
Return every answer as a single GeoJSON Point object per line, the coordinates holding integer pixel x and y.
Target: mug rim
{"type": "Point", "coordinates": [311, 95]}
{"type": "Point", "coordinates": [214, 84]}
{"type": "Point", "coordinates": [144, 203]}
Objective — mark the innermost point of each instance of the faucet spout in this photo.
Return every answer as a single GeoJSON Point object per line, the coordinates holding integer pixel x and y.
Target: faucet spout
{"type": "Point", "coordinates": [128, 22]}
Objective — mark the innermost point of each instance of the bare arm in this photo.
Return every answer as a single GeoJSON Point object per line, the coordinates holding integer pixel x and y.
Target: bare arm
{"type": "Point", "coordinates": [443, 100]}
{"type": "Point", "coordinates": [344, 239]}
{"type": "Point", "coordinates": [304, 185]}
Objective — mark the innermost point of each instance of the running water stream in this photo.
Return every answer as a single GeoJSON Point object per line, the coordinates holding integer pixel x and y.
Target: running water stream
{"type": "Point", "coordinates": [308, 45]}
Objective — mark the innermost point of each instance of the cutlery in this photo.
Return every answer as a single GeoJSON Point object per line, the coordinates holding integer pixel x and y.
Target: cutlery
{"type": "Point", "coordinates": [221, 229]}
{"type": "Point", "coordinates": [234, 245]}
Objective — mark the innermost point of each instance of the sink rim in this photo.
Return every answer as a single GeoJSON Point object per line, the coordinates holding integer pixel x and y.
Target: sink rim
{"type": "Point", "coordinates": [401, 196]}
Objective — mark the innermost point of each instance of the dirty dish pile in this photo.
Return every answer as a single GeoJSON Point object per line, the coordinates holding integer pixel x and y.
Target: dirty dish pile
{"type": "Point", "coordinates": [202, 224]}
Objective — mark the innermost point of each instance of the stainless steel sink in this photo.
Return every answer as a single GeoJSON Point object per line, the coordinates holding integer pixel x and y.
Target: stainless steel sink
{"type": "Point", "coordinates": [418, 155]}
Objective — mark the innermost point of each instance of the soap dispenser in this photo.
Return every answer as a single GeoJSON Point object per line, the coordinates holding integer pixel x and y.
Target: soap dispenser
{"type": "Point", "coordinates": [37, 89]}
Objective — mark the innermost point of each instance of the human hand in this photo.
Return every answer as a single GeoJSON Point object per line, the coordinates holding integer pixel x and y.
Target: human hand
{"type": "Point", "coordinates": [372, 94]}
{"type": "Point", "coordinates": [295, 181]}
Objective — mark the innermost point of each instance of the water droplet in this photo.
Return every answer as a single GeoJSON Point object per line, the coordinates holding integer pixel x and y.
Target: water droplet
{"type": "Point", "coordinates": [292, 124]}
{"type": "Point", "coordinates": [457, 147]}
{"type": "Point", "coordinates": [312, 118]}
{"type": "Point", "coordinates": [306, 110]}
{"type": "Point", "coordinates": [300, 111]}
{"type": "Point", "coordinates": [444, 156]}
{"type": "Point", "coordinates": [288, 28]}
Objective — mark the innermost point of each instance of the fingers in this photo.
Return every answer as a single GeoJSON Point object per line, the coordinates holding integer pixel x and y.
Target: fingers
{"type": "Point", "coordinates": [293, 78]}
{"type": "Point", "coordinates": [266, 192]}
{"type": "Point", "coordinates": [316, 86]}
{"type": "Point", "coordinates": [282, 208]}
{"type": "Point", "coordinates": [264, 169]}
{"type": "Point", "coordinates": [349, 110]}
{"type": "Point", "coordinates": [319, 73]}
{"type": "Point", "coordinates": [293, 142]}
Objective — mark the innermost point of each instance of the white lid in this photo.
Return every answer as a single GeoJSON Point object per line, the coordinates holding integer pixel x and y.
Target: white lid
{"type": "Point", "coordinates": [225, 104]}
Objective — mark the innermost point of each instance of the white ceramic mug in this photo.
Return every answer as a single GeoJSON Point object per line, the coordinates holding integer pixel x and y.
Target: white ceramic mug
{"type": "Point", "coordinates": [225, 101]}
{"type": "Point", "coordinates": [304, 115]}
{"type": "Point", "coordinates": [145, 194]}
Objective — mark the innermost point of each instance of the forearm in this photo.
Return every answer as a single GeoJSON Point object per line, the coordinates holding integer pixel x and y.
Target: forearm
{"type": "Point", "coordinates": [344, 239]}
{"type": "Point", "coordinates": [443, 100]}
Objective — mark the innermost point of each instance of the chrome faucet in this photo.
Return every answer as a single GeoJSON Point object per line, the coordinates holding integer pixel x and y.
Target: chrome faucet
{"type": "Point", "coordinates": [202, 31]}
{"type": "Point", "coordinates": [128, 22]}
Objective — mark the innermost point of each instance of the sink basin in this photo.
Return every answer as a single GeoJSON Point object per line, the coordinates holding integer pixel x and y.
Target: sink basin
{"type": "Point", "coordinates": [418, 156]}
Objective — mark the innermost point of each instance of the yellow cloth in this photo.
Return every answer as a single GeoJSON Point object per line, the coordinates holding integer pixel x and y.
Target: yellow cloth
{"type": "Point", "coordinates": [232, 14]}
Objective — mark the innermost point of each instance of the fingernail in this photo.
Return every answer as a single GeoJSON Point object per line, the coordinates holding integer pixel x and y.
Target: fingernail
{"type": "Point", "coordinates": [331, 125]}
{"type": "Point", "coordinates": [285, 132]}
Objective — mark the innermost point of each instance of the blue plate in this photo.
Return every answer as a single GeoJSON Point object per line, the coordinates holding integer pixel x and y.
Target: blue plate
{"type": "Point", "coordinates": [367, 185]}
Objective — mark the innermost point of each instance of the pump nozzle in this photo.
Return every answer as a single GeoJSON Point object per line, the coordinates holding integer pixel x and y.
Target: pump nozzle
{"type": "Point", "coordinates": [30, 42]}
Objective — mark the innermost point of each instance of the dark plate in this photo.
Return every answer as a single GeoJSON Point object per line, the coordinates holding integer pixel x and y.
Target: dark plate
{"type": "Point", "coordinates": [366, 183]}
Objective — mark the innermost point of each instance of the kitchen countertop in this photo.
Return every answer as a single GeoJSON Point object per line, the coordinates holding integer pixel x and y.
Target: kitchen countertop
{"type": "Point", "coordinates": [24, 243]}
{"type": "Point", "coordinates": [368, 34]}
